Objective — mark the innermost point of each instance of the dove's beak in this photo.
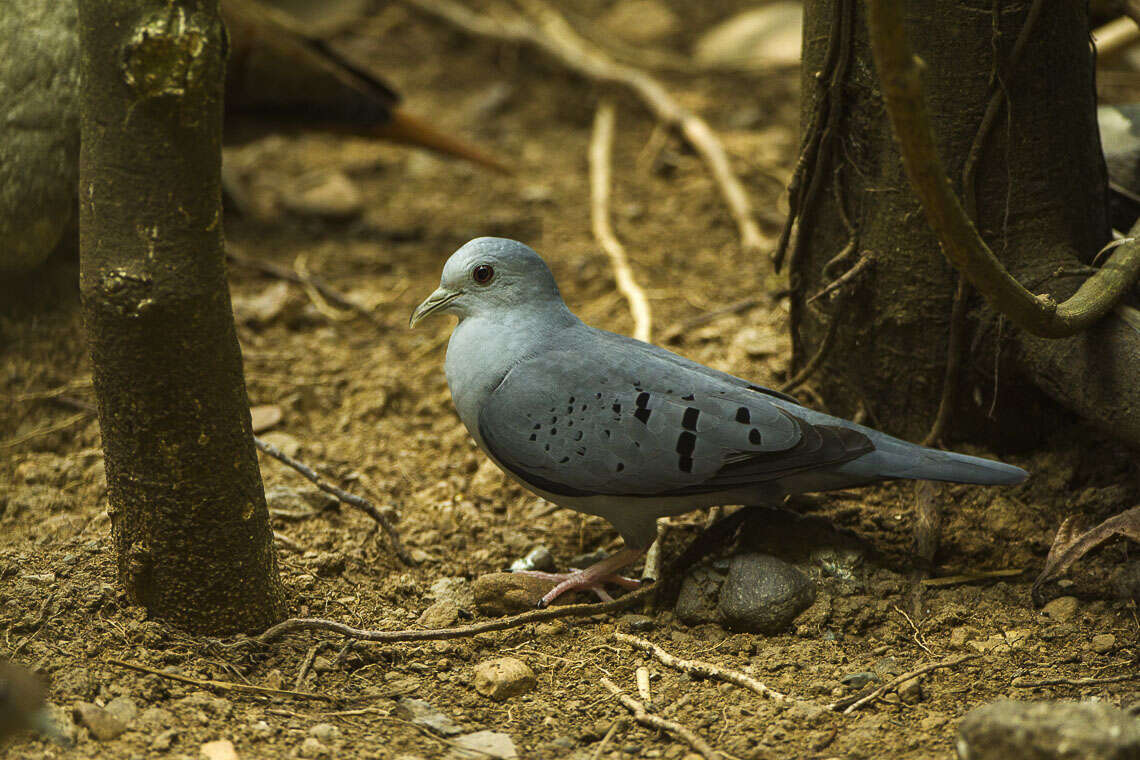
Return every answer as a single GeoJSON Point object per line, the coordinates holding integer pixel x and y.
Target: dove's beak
{"type": "Point", "coordinates": [435, 302]}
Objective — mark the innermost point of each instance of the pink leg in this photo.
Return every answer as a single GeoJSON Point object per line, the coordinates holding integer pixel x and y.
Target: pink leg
{"type": "Point", "coordinates": [593, 577]}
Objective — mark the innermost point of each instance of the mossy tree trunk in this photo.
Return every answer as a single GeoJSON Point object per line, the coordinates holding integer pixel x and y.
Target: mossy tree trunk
{"type": "Point", "coordinates": [188, 513]}
{"type": "Point", "coordinates": [1041, 206]}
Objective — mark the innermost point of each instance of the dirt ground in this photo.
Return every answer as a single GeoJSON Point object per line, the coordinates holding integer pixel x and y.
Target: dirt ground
{"type": "Point", "coordinates": [368, 405]}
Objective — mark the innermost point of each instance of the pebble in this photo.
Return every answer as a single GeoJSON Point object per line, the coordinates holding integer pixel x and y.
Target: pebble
{"type": "Point", "coordinates": [325, 732]}
{"type": "Point", "coordinates": [263, 308]}
{"type": "Point", "coordinates": [1048, 731]}
{"type": "Point", "coordinates": [503, 678]}
{"type": "Point", "coordinates": [312, 747]}
{"type": "Point", "coordinates": [538, 558]}
{"type": "Point", "coordinates": [454, 589]}
{"type": "Point", "coordinates": [763, 594]}
{"type": "Point", "coordinates": [330, 195]}
{"type": "Point", "coordinates": [1102, 643]}
{"type": "Point", "coordinates": [755, 39]}
{"type": "Point", "coordinates": [428, 716]}
{"type": "Point", "coordinates": [123, 708]}
{"type": "Point", "coordinates": [498, 594]}
{"type": "Point", "coordinates": [441, 614]}
{"type": "Point", "coordinates": [910, 691]}
{"type": "Point", "coordinates": [641, 22]}
{"type": "Point", "coordinates": [289, 445]}
{"type": "Point", "coordinates": [859, 680]}
{"type": "Point", "coordinates": [636, 623]}
{"type": "Point", "coordinates": [103, 725]}
{"type": "Point", "coordinates": [482, 745]}
{"type": "Point", "coordinates": [222, 749]}
{"type": "Point", "coordinates": [1062, 609]}
{"type": "Point", "coordinates": [164, 740]}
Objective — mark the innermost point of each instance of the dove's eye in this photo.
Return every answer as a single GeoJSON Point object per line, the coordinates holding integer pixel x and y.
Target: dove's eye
{"type": "Point", "coordinates": [483, 274]}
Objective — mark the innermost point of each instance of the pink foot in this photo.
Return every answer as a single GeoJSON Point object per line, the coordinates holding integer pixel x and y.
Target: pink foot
{"type": "Point", "coordinates": [591, 578]}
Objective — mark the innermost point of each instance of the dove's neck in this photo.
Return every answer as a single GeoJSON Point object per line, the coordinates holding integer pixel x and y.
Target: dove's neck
{"type": "Point", "coordinates": [483, 348]}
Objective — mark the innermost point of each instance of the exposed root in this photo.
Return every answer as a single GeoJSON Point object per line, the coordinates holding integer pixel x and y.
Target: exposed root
{"type": "Point", "coordinates": [851, 704]}
{"type": "Point", "coordinates": [672, 727]}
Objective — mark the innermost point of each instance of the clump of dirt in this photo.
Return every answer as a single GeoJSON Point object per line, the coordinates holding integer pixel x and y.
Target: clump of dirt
{"type": "Point", "coordinates": [367, 404]}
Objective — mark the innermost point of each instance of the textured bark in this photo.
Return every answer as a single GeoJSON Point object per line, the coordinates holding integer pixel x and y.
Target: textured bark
{"type": "Point", "coordinates": [188, 513]}
{"type": "Point", "coordinates": [1041, 190]}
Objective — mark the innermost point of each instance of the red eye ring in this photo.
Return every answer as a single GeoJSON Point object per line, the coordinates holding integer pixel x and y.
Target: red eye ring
{"type": "Point", "coordinates": [482, 274]}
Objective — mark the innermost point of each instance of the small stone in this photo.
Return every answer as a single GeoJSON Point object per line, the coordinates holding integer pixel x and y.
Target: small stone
{"type": "Point", "coordinates": [222, 749]}
{"type": "Point", "coordinates": [454, 589]}
{"type": "Point", "coordinates": [696, 602]}
{"type": "Point", "coordinates": [442, 614]}
{"type": "Point", "coordinates": [263, 308]}
{"type": "Point", "coordinates": [164, 740]}
{"type": "Point", "coordinates": [322, 664]}
{"type": "Point", "coordinates": [641, 22]}
{"type": "Point", "coordinates": [312, 747]}
{"type": "Point", "coordinates": [538, 558]}
{"type": "Point", "coordinates": [858, 680]}
{"type": "Point", "coordinates": [103, 725]}
{"type": "Point", "coordinates": [425, 714]}
{"type": "Point", "coordinates": [265, 416]}
{"type": "Point", "coordinates": [285, 443]}
{"type": "Point", "coordinates": [329, 195]}
{"type": "Point", "coordinates": [325, 732]}
{"type": "Point", "coordinates": [1102, 643]}
{"type": "Point", "coordinates": [1048, 731]}
{"type": "Point", "coordinates": [636, 623]}
{"type": "Point", "coordinates": [503, 678]}
{"type": "Point", "coordinates": [763, 594]}
{"type": "Point", "coordinates": [482, 745]}
{"type": "Point", "coordinates": [1062, 609]}
{"type": "Point", "coordinates": [498, 594]}
{"type": "Point", "coordinates": [960, 635]}
{"type": "Point", "coordinates": [910, 691]}
{"type": "Point", "coordinates": [755, 39]}
{"type": "Point", "coordinates": [123, 708]}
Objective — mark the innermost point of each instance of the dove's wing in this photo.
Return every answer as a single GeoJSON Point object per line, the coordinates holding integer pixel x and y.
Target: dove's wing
{"type": "Point", "coordinates": [624, 418]}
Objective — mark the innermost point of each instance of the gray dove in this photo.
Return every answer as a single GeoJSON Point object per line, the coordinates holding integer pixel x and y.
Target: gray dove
{"type": "Point", "coordinates": [22, 706]}
{"type": "Point", "coordinates": [614, 427]}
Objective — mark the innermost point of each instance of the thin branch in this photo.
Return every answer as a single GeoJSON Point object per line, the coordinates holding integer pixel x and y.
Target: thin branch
{"type": "Point", "coordinates": [702, 669]}
{"type": "Point", "coordinates": [54, 427]}
{"type": "Point", "coordinates": [864, 261]}
{"type": "Point", "coordinates": [222, 686]}
{"type": "Point", "coordinates": [642, 716]}
{"type": "Point", "coordinates": [850, 705]}
{"type": "Point", "coordinates": [601, 145]}
{"type": "Point", "coordinates": [297, 625]}
{"type": "Point", "coordinates": [552, 34]}
{"type": "Point", "coordinates": [359, 502]}
{"type": "Point", "coordinates": [1022, 683]}
{"type": "Point", "coordinates": [900, 75]}
{"type": "Point", "coordinates": [616, 726]}
{"type": "Point", "coordinates": [308, 281]}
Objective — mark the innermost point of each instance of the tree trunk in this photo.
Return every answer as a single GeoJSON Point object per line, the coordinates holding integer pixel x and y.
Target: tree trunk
{"type": "Point", "coordinates": [188, 513]}
{"type": "Point", "coordinates": [1041, 206]}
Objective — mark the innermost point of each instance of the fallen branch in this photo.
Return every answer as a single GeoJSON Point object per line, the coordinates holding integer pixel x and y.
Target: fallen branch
{"type": "Point", "coordinates": [297, 625]}
{"type": "Point", "coordinates": [702, 669]}
{"type": "Point", "coordinates": [552, 34]}
{"type": "Point", "coordinates": [359, 502]}
{"type": "Point", "coordinates": [656, 722]}
{"type": "Point", "coordinates": [900, 75]}
{"type": "Point", "coordinates": [309, 282]}
{"type": "Point", "coordinates": [222, 686]}
{"type": "Point", "coordinates": [54, 427]}
{"type": "Point", "coordinates": [1022, 683]}
{"type": "Point", "coordinates": [851, 704]}
{"type": "Point", "coordinates": [601, 145]}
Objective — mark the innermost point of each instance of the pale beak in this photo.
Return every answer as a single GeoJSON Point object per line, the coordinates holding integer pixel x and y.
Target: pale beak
{"type": "Point", "coordinates": [436, 301]}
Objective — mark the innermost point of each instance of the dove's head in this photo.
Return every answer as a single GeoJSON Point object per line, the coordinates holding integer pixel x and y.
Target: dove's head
{"type": "Point", "coordinates": [490, 275]}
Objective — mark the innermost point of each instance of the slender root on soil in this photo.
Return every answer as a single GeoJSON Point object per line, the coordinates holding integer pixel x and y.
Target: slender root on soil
{"type": "Point", "coordinates": [851, 704]}
{"type": "Point", "coordinates": [656, 722]}
{"type": "Point", "coordinates": [222, 686]}
{"type": "Point", "coordinates": [359, 502]}
{"type": "Point", "coordinates": [702, 669]}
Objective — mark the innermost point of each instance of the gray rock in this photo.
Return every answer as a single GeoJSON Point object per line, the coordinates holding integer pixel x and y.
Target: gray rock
{"type": "Point", "coordinates": [123, 708]}
{"type": "Point", "coordinates": [425, 714]}
{"type": "Point", "coordinates": [482, 745]}
{"type": "Point", "coordinates": [697, 600]}
{"type": "Point", "coordinates": [39, 130]}
{"type": "Point", "coordinates": [325, 732]}
{"type": "Point", "coordinates": [103, 725]}
{"type": "Point", "coordinates": [538, 558]}
{"type": "Point", "coordinates": [636, 623]}
{"type": "Point", "coordinates": [312, 747]}
{"type": "Point", "coordinates": [763, 594]}
{"type": "Point", "coordinates": [1062, 609]}
{"type": "Point", "coordinates": [1048, 731]}
{"type": "Point", "coordinates": [441, 614]}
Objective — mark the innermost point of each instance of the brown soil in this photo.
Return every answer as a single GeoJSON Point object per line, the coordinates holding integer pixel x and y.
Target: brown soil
{"type": "Point", "coordinates": [370, 407]}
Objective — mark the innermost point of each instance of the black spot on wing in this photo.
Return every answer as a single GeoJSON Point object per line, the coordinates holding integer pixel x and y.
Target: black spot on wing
{"type": "Point", "coordinates": [686, 442]}
{"type": "Point", "coordinates": [642, 412]}
{"type": "Point", "coordinates": [754, 437]}
{"type": "Point", "coordinates": [689, 421]}
{"type": "Point", "coordinates": [685, 464]}
{"type": "Point", "coordinates": [743, 416]}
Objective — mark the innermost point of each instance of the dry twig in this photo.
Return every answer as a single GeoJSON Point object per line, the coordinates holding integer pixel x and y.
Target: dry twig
{"type": "Point", "coordinates": [1022, 683]}
{"type": "Point", "coordinates": [642, 716]}
{"type": "Point", "coordinates": [601, 145]}
{"type": "Point", "coordinates": [222, 686]}
{"type": "Point", "coordinates": [359, 502]}
{"type": "Point", "coordinates": [851, 704]}
{"type": "Point", "coordinates": [900, 74]}
{"type": "Point", "coordinates": [702, 669]}
{"type": "Point", "coordinates": [551, 33]}
{"type": "Point", "coordinates": [737, 307]}
{"type": "Point", "coordinates": [309, 282]}
{"type": "Point", "coordinates": [616, 726]}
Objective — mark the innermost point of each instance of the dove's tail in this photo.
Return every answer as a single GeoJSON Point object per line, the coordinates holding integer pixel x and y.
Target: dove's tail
{"type": "Point", "coordinates": [893, 458]}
